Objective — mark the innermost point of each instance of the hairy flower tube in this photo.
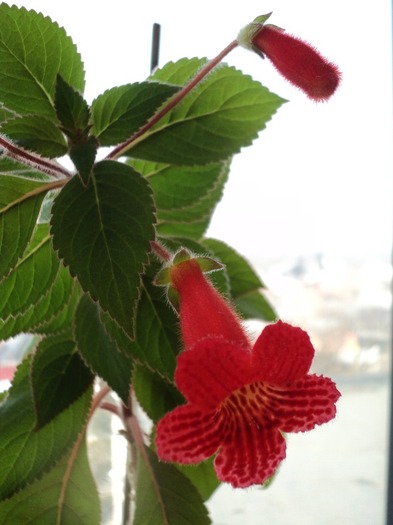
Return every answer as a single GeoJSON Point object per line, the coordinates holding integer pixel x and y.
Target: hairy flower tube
{"type": "Point", "coordinates": [299, 62]}
{"type": "Point", "coordinates": [241, 398]}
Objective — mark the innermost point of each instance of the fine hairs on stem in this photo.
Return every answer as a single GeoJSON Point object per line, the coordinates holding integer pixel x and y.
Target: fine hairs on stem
{"type": "Point", "coordinates": [32, 160]}
{"type": "Point", "coordinates": [119, 150]}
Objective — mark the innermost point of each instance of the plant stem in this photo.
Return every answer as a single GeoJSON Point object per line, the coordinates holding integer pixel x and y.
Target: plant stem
{"type": "Point", "coordinates": [33, 160]}
{"type": "Point", "coordinates": [130, 477]}
{"type": "Point", "coordinates": [160, 251]}
{"type": "Point", "coordinates": [119, 150]}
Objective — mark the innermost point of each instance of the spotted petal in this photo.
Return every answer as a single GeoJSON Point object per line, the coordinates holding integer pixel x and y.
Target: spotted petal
{"type": "Point", "coordinates": [211, 370]}
{"type": "Point", "coordinates": [310, 402]}
{"type": "Point", "coordinates": [282, 354]}
{"type": "Point", "coordinates": [250, 455]}
{"type": "Point", "coordinates": [187, 435]}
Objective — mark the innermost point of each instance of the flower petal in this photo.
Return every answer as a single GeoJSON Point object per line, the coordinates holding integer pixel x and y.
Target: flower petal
{"type": "Point", "coordinates": [207, 373]}
{"type": "Point", "coordinates": [187, 435]}
{"type": "Point", "coordinates": [311, 401]}
{"type": "Point", "coordinates": [282, 354]}
{"type": "Point", "coordinates": [250, 455]}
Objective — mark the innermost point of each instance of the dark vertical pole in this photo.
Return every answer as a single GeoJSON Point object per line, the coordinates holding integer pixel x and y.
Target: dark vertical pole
{"type": "Point", "coordinates": [389, 506]}
{"type": "Point", "coordinates": [155, 47]}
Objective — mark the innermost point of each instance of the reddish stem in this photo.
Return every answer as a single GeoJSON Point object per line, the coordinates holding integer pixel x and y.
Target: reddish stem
{"type": "Point", "coordinates": [33, 160]}
{"type": "Point", "coordinates": [110, 407]}
{"type": "Point", "coordinates": [119, 150]}
{"type": "Point", "coordinates": [160, 251]}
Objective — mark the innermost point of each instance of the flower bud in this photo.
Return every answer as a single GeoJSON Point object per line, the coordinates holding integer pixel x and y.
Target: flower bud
{"type": "Point", "coordinates": [299, 62]}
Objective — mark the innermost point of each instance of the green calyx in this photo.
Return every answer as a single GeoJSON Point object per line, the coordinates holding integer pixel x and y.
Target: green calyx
{"type": "Point", "coordinates": [206, 264]}
{"type": "Point", "coordinates": [163, 278]}
{"type": "Point", "coordinates": [247, 34]}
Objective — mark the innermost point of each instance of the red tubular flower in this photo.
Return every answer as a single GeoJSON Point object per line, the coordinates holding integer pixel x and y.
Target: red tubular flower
{"type": "Point", "coordinates": [299, 62]}
{"type": "Point", "coordinates": [240, 398]}
{"type": "Point", "coordinates": [203, 311]}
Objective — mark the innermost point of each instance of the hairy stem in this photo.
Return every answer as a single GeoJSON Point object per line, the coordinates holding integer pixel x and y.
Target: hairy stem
{"type": "Point", "coordinates": [33, 160]}
{"type": "Point", "coordinates": [119, 150]}
{"type": "Point", "coordinates": [160, 251]}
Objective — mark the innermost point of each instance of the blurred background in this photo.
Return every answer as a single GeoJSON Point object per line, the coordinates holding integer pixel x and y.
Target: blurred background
{"type": "Point", "coordinates": [309, 204]}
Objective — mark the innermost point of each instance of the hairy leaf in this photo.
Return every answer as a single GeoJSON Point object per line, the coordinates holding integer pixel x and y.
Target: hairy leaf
{"type": "Point", "coordinates": [245, 284]}
{"type": "Point", "coordinates": [178, 73]}
{"type": "Point", "coordinates": [20, 205]}
{"type": "Point", "coordinates": [156, 395]}
{"type": "Point", "coordinates": [72, 110]}
{"type": "Point", "coordinates": [33, 51]}
{"type": "Point", "coordinates": [36, 133]}
{"type": "Point", "coordinates": [203, 476]}
{"type": "Point", "coordinates": [102, 231]}
{"type": "Point", "coordinates": [156, 336]}
{"type": "Point", "coordinates": [53, 312]}
{"type": "Point", "coordinates": [122, 110]}
{"type": "Point", "coordinates": [65, 495]}
{"type": "Point", "coordinates": [58, 377]}
{"type": "Point", "coordinates": [99, 351]}
{"type": "Point", "coordinates": [83, 155]}
{"type": "Point", "coordinates": [26, 453]}
{"type": "Point", "coordinates": [185, 196]}
{"type": "Point", "coordinates": [12, 167]}
{"type": "Point", "coordinates": [31, 278]}
{"type": "Point", "coordinates": [164, 496]}
{"type": "Point", "coordinates": [222, 114]}
{"type": "Point", "coordinates": [242, 276]}
{"type": "Point", "coordinates": [253, 305]}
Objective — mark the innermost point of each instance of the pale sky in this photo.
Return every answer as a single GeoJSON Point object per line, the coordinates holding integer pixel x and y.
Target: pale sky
{"type": "Point", "coordinates": [319, 177]}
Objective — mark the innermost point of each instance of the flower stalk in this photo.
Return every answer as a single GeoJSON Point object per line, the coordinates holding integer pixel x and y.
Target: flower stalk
{"type": "Point", "coordinates": [119, 150]}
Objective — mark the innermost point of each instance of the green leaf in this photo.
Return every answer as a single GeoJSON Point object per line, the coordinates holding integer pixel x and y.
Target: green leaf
{"type": "Point", "coordinates": [33, 51]}
{"type": "Point", "coordinates": [180, 72]}
{"type": "Point", "coordinates": [185, 196]}
{"type": "Point", "coordinates": [27, 454]}
{"type": "Point", "coordinates": [99, 351]}
{"type": "Point", "coordinates": [164, 496]}
{"type": "Point", "coordinates": [58, 377]}
{"type": "Point", "coordinates": [178, 188]}
{"type": "Point", "coordinates": [36, 133]}
{"type": "Point", "coordinates": [242, 277]}
{"type": "Point", "coordinates": [72, 110]}
{"type": "Point", "coordinates": [5, 114]}
{"type": "Point", "coordinates": [156, 395]}
{"type": "Point", "coordinates": [31, 278]}
{"type": "Point", "coordinates": [20, 205]}
{"type": "Point", "coordinates": [51, 313]}
{"type": "Point", "coordinates": [203, 476]}
{"type": "Point", "coordinates": [65, 495]}
{"type": "Point", "coordinates": [102, 231]}
{"type": "Point", "coordinates": [83, 155]}
{"type": "Point", "coordinates": [222, 114]}
{"type": "Point", "coordinates": [156, 333]}
{"type": "Point", "coordinates": [253, 305]}
{"type": "Point", "coordinates": [11, 167]}
{"type": "Point", "coordinates": [122, 110]}
{"type": "Point", "coordinates": [244, 282]}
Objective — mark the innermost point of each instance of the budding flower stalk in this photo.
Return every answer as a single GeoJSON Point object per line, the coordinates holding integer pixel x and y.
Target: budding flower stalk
{"type": "Point", "coordinates": [297, 61]}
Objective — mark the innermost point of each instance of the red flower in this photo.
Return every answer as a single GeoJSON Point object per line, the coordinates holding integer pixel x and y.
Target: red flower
{"type": "Point", "coordinates": [299, 62]}
{"type": "Point", "coordinates": [240, 398]}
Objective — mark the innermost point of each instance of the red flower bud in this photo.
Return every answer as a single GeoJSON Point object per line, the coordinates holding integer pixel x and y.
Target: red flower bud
{"type": "Point", "coordinates": [299, 62]}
